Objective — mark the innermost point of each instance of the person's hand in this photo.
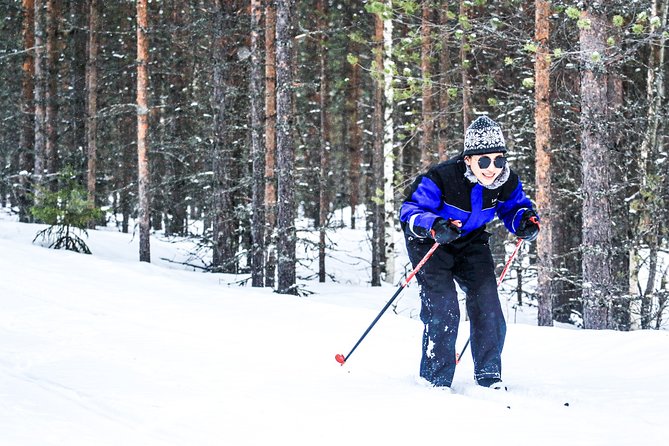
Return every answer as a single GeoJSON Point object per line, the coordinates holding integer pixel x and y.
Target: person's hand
{"type": "Point", "coordinates": [445, 231]}
{"type": "Point", "coordinates": [528, 228]}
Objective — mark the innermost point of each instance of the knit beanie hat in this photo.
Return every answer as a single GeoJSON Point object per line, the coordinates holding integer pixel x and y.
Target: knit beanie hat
{"type": "Point", "coordinates": [484, 136]}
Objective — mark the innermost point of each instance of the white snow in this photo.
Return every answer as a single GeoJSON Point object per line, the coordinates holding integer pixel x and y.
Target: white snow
{"type": "Point", "coordinates": [104, 350]}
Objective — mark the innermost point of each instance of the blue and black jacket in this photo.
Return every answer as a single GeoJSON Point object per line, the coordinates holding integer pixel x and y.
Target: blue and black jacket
{"type": "Point", "coordinates": [445, 192]}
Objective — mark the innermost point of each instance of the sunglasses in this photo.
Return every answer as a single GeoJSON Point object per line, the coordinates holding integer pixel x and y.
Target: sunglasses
{"type": "Point", "coordinates": [484, 162]}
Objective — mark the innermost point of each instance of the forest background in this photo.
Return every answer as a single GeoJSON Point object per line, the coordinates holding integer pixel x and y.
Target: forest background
{"type": "Point", "coordinates": [246, 115]}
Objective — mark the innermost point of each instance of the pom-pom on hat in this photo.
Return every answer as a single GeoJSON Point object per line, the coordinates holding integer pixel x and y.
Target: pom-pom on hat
{"type": "Point", "coordinates": [484, 136]}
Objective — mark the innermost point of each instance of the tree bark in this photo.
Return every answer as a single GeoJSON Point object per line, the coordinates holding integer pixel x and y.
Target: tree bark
{"type": "Point", "coordinates": [285, 150]}
{"type": "Point", "coordinates": [92, 101]}
{"type": "Point", "coordinates": [543, 164]}
{"type": "Point", "coordinates": [143, 131]}
{"type": "Point", "coordinates": [53, 13]}
{"type": "Point", "coordinates": [270, 142]}
{"type": "Point", "coordinates": [355, 142]}
{"type": "Point", "coordinates": [39, 95]}
{"type": "Point", "coordinates": [464, 71]}
{"type": "Point", "coordinates": [27, 138]}
{"type": "Point", "coordinates": [224, 235]}
{"type": "Point", "coordinates": [257, 153]}
{"type": "Point", "coordinates": [388, 155]}
{"type": "Point", "coordinates": [595, 140]}
{"type": "Point", "coordinates": [78, 64]}
{"type": "Point", "coordinates": [354, 129]}
{"type": "Point", "coordinates": [324, 170]}
{"type": "Point", "coordinates": [444, 99]}
{"type": "Point", "coordinates": [377, 156]}
{"type": "Point", "coordinates": [651, 176]}
{"type": "Point", "coordinates": [427, 115]}
{"type": "Point", "coordinates": [174, 131]}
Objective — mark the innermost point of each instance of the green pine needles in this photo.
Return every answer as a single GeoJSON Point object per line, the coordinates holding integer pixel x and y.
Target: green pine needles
{"type": "Point", "coordinates": [66, 210]}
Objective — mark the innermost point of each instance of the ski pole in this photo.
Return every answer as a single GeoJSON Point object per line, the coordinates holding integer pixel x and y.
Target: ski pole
{"type": "Point", "coordinates": [341, 359]}
{"type": "Point", "coordinates": [499, 282]}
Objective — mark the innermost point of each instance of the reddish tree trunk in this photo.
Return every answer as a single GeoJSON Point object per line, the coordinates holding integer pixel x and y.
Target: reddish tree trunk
{"type": "Point", "coordinates": [143, 130]}
{"type": "Point", "coordinates": [543, 168]}
{"type": "Point", "coordinates": [270, 141]}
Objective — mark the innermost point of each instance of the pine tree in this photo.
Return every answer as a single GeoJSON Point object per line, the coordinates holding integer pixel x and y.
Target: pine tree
{"type": "Point", "coordinates": [287, 237]}
{"type": "Point", "coordinates": [544, 168]}
{"type": "Point", "coordinates": [143, 130]}
{"type": "Point", "coordinates": [270, 142]}
{"type": "Point", "coordinates": [257, 153]}
{"type": "Point", "coordinates": [324, 168]}
{"type": "Point", "coordinates": [27, 138]}
{"type": "Point", "coordinates": [595, 136]}
{"type": "Point", "coordinates": [92, 100]}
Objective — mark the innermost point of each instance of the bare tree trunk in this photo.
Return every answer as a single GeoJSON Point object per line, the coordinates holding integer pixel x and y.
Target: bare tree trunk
{"type": "Point", "coordinates": [444, 99]}
{"type": "Point", "coordinates": [355, 141]}
{"type": "Point", "coordinates": [270, 142]}
{"type": "Point", "coordinates": [224, 236]}
{"type": "Point", "coordinates": [324, 171]}
{"type": "Point", "coordinates": [620, 318]}
{"type": "Point", "coordinates": [651, 146]}
{"type": "Point", "coordinates": [78, 60]}
{"type": "Point", "coordinates": [377, 157]}
{"type": "Point", "coordinates": [595, 140]}
{"type": "Point", "coordinates": [40, 88]}
{"type": "Point", "coordinates": [427, 118]}
{"type": "Point", "coordinates": [27, 141]}
{"type": "Point", "coordinates": [543, 163]}
{"type": "Point", "coordinates": [662, 298]}
{"type": "Point", "coordinates": [127, 177]}
{"type": "Point", "coordinates": [92, 101]}
{"type": "Point", "coordinates": [388, 155]}
{"type": "Point", "coordinates": [464, 71]}
{"type": "Point", "coordinates": [285, 150]}
{"type": "Point", "coordinates": [257, 150]}
{"type": "Point", "coordinates": [143, 131]}
{"type": "Point", "coordinates": [354, 128]}
{"type": "Point", "coordinates": [53, 12]}
{"type": "Point", "coordinates": [126, 133]}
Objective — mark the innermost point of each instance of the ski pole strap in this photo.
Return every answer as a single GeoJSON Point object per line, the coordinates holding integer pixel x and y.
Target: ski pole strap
{"type": "Point", "coordinates": [535, 220]}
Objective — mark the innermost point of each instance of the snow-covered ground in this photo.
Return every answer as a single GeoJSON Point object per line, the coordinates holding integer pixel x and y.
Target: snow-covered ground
{"type": "Point", "coordinates": [105, 350]}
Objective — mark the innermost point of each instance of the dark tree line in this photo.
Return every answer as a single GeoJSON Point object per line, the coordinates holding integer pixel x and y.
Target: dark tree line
{"type": "Point", "coordinates": [229, 119]}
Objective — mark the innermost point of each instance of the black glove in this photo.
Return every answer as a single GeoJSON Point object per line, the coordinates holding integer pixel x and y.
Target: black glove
{"type": "Point", "coordinates": [528, 228]}
{"type": "Point", "coordinates": [444, 231]}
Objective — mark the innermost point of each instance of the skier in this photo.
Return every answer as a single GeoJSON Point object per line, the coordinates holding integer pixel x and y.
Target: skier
{"type": "Point", "coordinates": [451, 205]}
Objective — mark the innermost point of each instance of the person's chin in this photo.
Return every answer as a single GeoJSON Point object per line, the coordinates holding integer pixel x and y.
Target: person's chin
{"type": "Point", "coordinates": [487, 181]}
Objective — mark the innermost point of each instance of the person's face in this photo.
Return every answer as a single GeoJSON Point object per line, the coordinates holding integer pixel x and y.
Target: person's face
{"type": "Point", "coordinates": [486, 170]}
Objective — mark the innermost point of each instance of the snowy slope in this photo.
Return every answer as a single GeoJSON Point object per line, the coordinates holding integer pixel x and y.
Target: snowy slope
{"type": "Point", "coordinates": [104, 350]}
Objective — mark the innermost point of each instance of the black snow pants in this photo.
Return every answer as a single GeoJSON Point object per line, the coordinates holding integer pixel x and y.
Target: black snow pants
{"type": "Point", "coordinates": [472, 267]}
